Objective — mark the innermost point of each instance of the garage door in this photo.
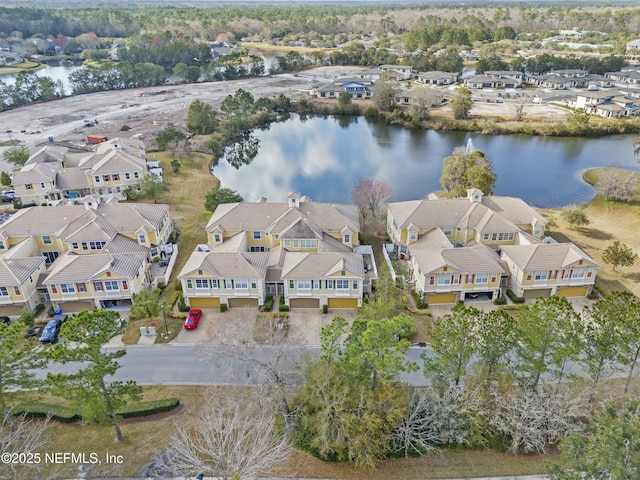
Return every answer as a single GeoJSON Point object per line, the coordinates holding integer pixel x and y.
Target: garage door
{"type": "Point", "coordinates": [243, 302]}
{"type": "Point", "coordinates": [10, 310]}
{"type": "Point", "coordinates": [304, 303]}
{"type": "Point", "coordinates": [343, 303]}
{"type": "Point", "coordinates": [72, 307]}
{"type": "Point", "coordinates": [538, 292]}
{"type": "Point", "coordinates": [204, 302]}
{"type": "Point", "coordinates": [572, 292]}
{"type": "Point", "coordinates": [436, 298]}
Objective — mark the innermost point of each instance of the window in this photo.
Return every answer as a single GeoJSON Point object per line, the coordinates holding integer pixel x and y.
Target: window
{"type": "Point", "coordinates": [189, 283]}
{"type": "Point", "coordinates": [142, 238]}
{"type": "Point", "coordinates": [485, 236]}
{"type": "Point", "coordinates": [242, 284]}
{"type": "Point", "coordinates": [97, 286]}
{"type": "Point", "coordinates": [304, 284]}
{"type": "Point", "coordinates": [413, 235]}
{"type": "Point", "coordinates": [291, 284]}
{"type": "Point", "coordinates": [296, 243]}
{"type": "Point", "coordinates": [256, 235]}
{"type": "Point", "coordinates": [254, 284]}
{"type": "Point", "coordinates": [74, 245]}
{"type": "Point", "coordinates": [347, 238]}
{"type": "Point", "coordinates": [228, 283]}
{"type": "Point", "coordinates": [354, 284]}
{"type": "Point", "coordinates": [494, 236]}
{"type": "Point", "coordinates": [41, 184]}
{"type": "Point", "coordinates": [67, 288]}
{"type": "Point", "coordinates": [4, 292]}
{"type": "Point", "coordinates": [308, 243]}
{"type": "Point", "coordinates": [578, 273]}
{"type": "Point", "coordinates": [214, 283]}
{"type": "Point", "coordinates": [287, 243]}
{"type": "Point", "coordinates": [482, 278]}
{"type": "Point", "coordinates": [456, 279]}
{"type": "Point", "coordinates": [444, 280]}
{"type": "Point", "coordinates": [28, 186]}
{"type": "Point", "coordinates": [50, 257]}
{"type": "Point", "coordinates": [330, 283]}
{"type": "Point", "coordinates": [81, 287]}
{"type": "Point", "coordinates": [505, 236]}
{"type": "Point", "coordinates": [116, 176]}
{"type": "Point", "coordinates": [127, 176]}
{"type": "Point", "coordinates": [537, 230]}
{"type": "Point", "coordinates": [1, 245]}
{"type": "Point", "coordinates": [342, 284]}
{"type": "Point", "coordinates": [316, 284]}
{"type": "Point", "coordinates": [111, 286]}
{"type": "Point", "coordinates": [46, 239]}
{"type": "Point", "coordinates": [540, 275]}
{"type": "Point", "coordinates": [448, 230]}
{"type": "Point", "coordinates": [97, 178]}
{"type": "Point", "coordinates": [566, 274]}
{"type": "Point", "coordinates": [135, 175]}
{"type": "Point", "coordinates": [17, 290]}
{"type": "Point", "coordinates": [202, 283]}
{"type": "Point", "coordinates": [432, 280]}
{"type": "Point", "coordinates": [125, 285]}
{"type": "Point", "coordinates": [216, 237]}
{"type": "Point", "coordinates": [85, 246]}
{"type": "Point", "coordinates": [105, 178]}
{"type": "Point", "coordinates": [97, 245]}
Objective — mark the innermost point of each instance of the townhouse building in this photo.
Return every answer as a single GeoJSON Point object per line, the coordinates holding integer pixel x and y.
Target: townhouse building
{"type": "Point", "coordinates": [466, 248]}
{"type": "Point", "coordinates": [79, 256]}
{"type": "Point", "coordinates": [309, 253]}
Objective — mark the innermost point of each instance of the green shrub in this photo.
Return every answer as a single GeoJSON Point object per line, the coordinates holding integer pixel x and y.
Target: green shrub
{"type": "Point", "coordinates": [267, 306]}
{"type": "Point", "coordinates": [43, 410]}
{"type": "Point", "coordinates": [282, 300]}
{"type": "Point", "coordinates": [156, 259]}
{"type": "Point", "coordinates": [223, 307]}
{"type": "Point", "coordinates": [182, 304]}
{"type": "Point", "coordinates": [593, 294]}
{"type": "Point", "coordinates": [39, 308]}
{"type": "Point", "coordinates": [144, 409]}
{"type": "Point", "coordinates": [500, 300]}
{"type": "Point", "coordinates": [325, 308]}
{"type": "Point", "coordinates": [161, 285]}
{"type": "Point", "coordinates": [51, 312]}
{"type": "Point", "coordinates": [27, 318]}
{"type": "Point", "coordinates": [371, 112]}
{"type": "Point", "coordinates": [177, 285]}
{"type": "Point", "coordinates": [514, 298]}
{"type": "Point", "coordinates": [283, 308]}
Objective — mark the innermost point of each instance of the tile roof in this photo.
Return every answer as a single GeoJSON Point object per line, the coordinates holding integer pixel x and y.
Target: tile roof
{"type": "Point", "coordinates": [546, 256]}
{"type": "Point", "coordinates": [36, 172]}
{"type": "Point", "coordinates": [71, 268]}
{"type": "Point", "coordinates": [72, 179]}
{"type": "Point", "coordinates": [15, 271]}
{"type": "Point", "coordinates": [299, 265]}
{"type": "Point", "coordinates": [228, 264]}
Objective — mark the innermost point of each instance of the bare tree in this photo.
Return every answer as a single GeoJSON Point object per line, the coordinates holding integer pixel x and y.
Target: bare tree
{"type": "Point", "coordinates": [19, 434]}
{"type": "Point", "coordinates": [614, 187]}
{"type": "Point", "coordinates": [534, 419]}
{"type": "Point", "coordinates": [225, 441]}
{"type": "Point", "coordinates": [422, 99]}
{"type": "Point", "coordinates": [370, 195]}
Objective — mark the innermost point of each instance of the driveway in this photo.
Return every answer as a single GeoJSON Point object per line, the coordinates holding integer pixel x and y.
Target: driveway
{"type": "Point", "coordinates": [240, 325]}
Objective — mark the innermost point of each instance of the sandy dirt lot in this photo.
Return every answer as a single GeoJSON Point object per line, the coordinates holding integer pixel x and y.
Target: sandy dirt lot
{"type": "Point", "coordinates": [146, 110]}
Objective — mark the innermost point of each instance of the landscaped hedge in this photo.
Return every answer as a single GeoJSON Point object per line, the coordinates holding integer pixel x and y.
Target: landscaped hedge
{"type": "Point", "coordinates": [223, 307]}
{"type": "Point", "coordinates": [500, 300]}
{"type": "Point", "coordinates": [148, 408]}
{"type": "Point", "coordinates": [67, 415]}
{"type": "Point", "coordinates": [514, 298]}
{"type": "Point", "coordinates": [267, 306]}
{"type": "Point", "coordinates": [43, 410]}
{"type": "Point", "coordinates": [283, 308]}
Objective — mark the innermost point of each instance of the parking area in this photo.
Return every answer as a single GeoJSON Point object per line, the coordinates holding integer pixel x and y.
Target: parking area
{"type": "Point", "coordinates": [239, 325]}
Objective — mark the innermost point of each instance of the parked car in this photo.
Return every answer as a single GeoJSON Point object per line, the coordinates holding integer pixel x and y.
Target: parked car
{"type": "Point", "coordinates": [52, 329]}
{"type": "Point", "coordinates": [5, 320]}
{"type": "Point", "coordinates": [193, 318]}
{"type": "Point", "coordinates": [34, 332]}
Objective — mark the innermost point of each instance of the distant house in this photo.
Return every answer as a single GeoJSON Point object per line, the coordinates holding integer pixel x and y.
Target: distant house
{"type": "Point", "coordinates": [607, 104]}
{"type": "Point", "coordinates": [403, 72]}
{"type": "Point", "coordinates": [633, 46]}
{"type": "Point", "coordinates": [631, 77]}
{"type": "Point", "coordinates": [358, 88]}
{"type": "Point", "coordinates": [438, 78]}
{"type": "Point", "coordinates": [495, 79]}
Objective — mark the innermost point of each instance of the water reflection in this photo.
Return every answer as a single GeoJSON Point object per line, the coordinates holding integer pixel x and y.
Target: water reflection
{"type": "Point", "coordinates": [321, 158]}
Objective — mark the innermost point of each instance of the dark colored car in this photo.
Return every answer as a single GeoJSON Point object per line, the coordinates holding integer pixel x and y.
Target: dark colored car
{"type": "Point", "coordinates": [6, 320]}
{"type": "Point", "coordinates": [51, 330]}
{"type": "Point", "coordinates": [193, 318]}
{"type": "Point", "coordinates": [33, 332]}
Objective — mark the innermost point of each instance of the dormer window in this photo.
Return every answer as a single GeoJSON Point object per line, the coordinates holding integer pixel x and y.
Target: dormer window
{"type": "Point", "coordinates": [413, 235]}
{"type": "Point", "coordinates": [216, 237]}
{"type": "Point", "coordinates": [346, 238]}
{"type": "Point", "coordinates": [257, 235]}
{"type": "Point", "coordinates": [142, 238]}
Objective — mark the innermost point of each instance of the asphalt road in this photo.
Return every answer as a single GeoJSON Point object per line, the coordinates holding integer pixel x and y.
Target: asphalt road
{"type": "Point", "coordinates": [212, 365]}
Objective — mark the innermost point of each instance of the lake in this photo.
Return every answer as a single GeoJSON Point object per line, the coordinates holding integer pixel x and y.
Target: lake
{"type": "Point", "coordinates": [324, 157]}
{"type": "Point", "coordinates": [55, 72]}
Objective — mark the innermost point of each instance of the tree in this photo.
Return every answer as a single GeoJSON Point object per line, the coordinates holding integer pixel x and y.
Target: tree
{"type": "Point", "coordinates": [604, 336]}
{"type": "Point", "coordinates": [453, 345]}
{"type": "Point", "coordinates": [422, 100]}
{"type": "Point", "coordinates": [181, 70]}
{"type": "Point", "coordinates": [17, 155]}
{"type": "Point", "coordinates": [461, 103]}
{"type": "Point", "coordinates": [152, 186]}
{"type": "Point", "coordinates": [612, 186]}
{"type": "Point", "coordinates": [167, 136]}
{"type": "Point", "coordinates": [344, 99]}
{"type": "Point", "coordinates": [370, 196]}
{"type": "Point", "coordinates": [619, 255]}
{"type": "Point", "coordinates": [19, 359]}
{"type": "Point", "coordinates": [574, 216]}
{"type": "Point", "coordinates": [19, 434]}
{"type": "Point", "coordinates": [227, 442]}
{"type": "Point", "coordinates": [5, 179]}
{"type": "Point", "coordinates": [201, 118]}
{"type": "Point", "coordinates": [465, 169]}
{"type": "Point", "coordinates": [609, 447]}
{"type": "Point", "coordinates": [146, 304]}
{"type": "Point", "coordinates": [494, 338]}
{"type": "Point", "coordinates": [630, 307]}
{"type": "Point", "coordinates": [88, 391]}
{"type": "Point", "coordinates": [548, 333]}
{"type": "Point", "coordinates": [179, 149]}
{"type": "Point", "coordinates": [218, 195]}
{"type": "Point", "coordinates": [216, 145]}
{"type": "Point", "coordinates": [239, 105]}
{"type": "Point", "coordinates": [384, 92]}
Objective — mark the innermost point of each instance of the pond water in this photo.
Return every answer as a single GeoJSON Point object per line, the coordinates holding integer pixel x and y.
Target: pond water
{"type": "Point", "coordinates": [323, 157]}
{"type": "Point", "coordinates": [55, 72]}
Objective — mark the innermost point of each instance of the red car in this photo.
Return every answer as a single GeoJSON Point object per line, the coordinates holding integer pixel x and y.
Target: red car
{"type": "Point", "coordinates": [193, 318]}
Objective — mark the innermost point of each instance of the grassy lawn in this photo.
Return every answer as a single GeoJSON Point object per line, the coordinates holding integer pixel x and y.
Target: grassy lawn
{"type": "Point", "coordinates": [19, 67]}
{"type": "Point", "coordinates": [281, 48]}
